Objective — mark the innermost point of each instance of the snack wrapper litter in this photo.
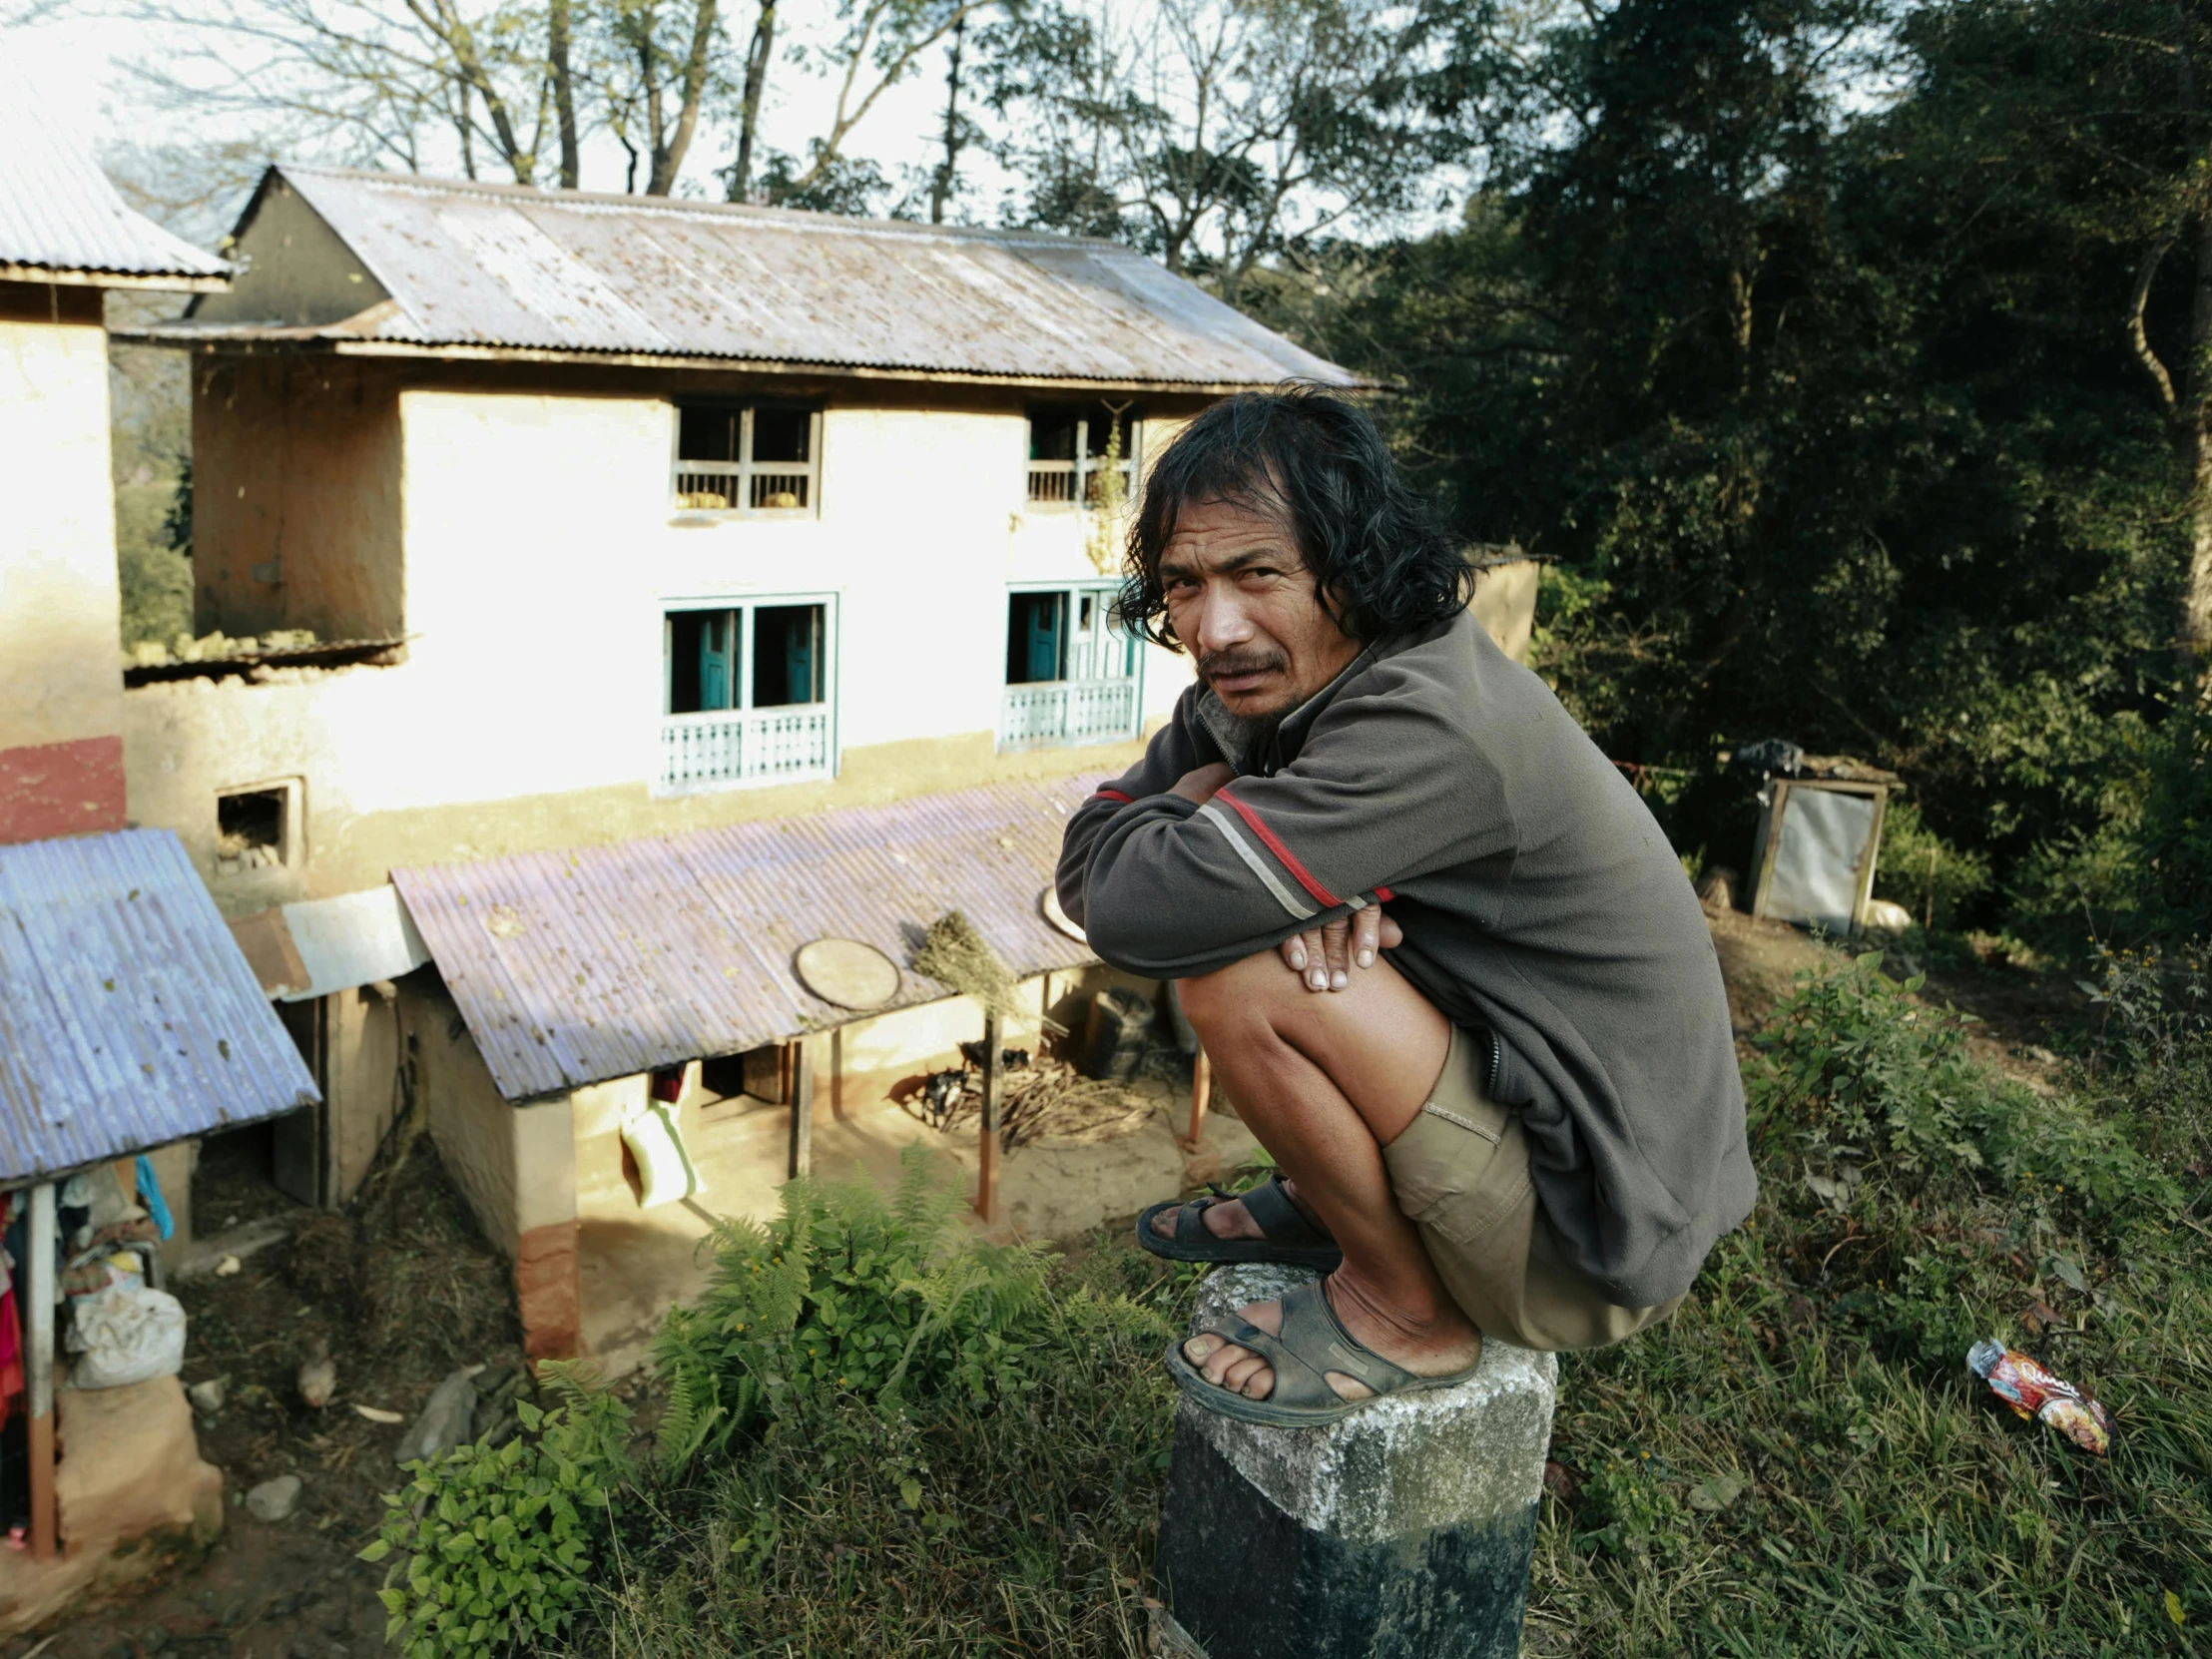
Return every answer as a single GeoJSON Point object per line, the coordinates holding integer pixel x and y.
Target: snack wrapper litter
{"type": "Point", "coordinates": [2034, 1392]}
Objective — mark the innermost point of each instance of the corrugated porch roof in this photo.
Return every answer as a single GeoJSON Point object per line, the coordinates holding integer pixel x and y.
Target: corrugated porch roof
{"type": "Point", "coordinates": [577, 966]}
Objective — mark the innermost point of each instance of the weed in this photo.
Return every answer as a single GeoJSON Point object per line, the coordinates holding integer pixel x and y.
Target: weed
{"type": "Point", "coordinates": [496, 1546]}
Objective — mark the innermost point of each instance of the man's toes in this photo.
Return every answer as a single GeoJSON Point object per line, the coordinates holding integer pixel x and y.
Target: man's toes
{"type": "Point", "coordinates": [1238, 1377]}
{"type": "Point", "coordinates": [1217, 1366]}
{"type": "Point", "coordinates": [1256, 1383]}
{"type": "Point", "coordinates": [1200, 1348]}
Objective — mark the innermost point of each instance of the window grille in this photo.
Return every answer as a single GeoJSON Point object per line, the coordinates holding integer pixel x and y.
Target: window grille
{"type": "Point", "coordinates": [1071, 455]}
{"type": "Point", "coordinates": [748, 695]}
{"type": "Point", "coordinates": [757, 461]}
{"type": "Point", "coordinates": [1072, 675]}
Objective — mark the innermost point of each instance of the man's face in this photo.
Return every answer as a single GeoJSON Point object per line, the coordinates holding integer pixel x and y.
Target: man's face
{"type": "Point", "coordinates": [1242, 601]}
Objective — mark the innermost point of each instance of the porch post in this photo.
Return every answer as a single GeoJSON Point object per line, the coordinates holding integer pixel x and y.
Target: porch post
{"type": "Point", "coordinates": [39, 1287]}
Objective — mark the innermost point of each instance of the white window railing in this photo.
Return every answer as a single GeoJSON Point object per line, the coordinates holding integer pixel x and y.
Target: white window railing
{"type": "Point", "coordinates": [1064, 483]}
{"type": "Point", "coordinates": [1067, 711]}
{"type": "Point", "coordinates": [753, 746]}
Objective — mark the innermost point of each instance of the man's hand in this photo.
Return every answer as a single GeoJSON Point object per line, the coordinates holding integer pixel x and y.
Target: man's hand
{"type": "Point", "coordinates": [1324, 958]}
{"type": "Point", "coordinates": [1198, 787]}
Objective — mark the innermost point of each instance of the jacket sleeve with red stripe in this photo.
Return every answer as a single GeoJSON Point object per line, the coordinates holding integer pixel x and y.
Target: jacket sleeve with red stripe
{"type": "Point", "coordinates": [1183, 745]}
{"type": "Point", "coordinates": [1384, 789]}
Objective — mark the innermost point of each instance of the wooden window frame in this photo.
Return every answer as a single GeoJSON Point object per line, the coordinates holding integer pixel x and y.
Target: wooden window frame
{"type": "Point", "coordinates": [744, 471]}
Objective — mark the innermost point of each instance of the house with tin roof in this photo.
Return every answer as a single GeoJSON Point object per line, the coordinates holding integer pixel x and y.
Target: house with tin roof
{"type": "Point", "coordinates": [131, 1024]}
{"type": "Point", "coordinates": [647, 591]}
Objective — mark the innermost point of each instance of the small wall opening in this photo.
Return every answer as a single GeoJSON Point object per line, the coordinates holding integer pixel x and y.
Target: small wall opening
{"type": "Point", "coordinates": [255, 828]}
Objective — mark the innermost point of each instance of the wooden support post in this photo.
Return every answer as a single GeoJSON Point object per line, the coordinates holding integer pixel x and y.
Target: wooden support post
{"type": "Point", "coordinates": [803, 1110]}
{"type": "Point", "coordinates": [38, 1285]}
{"type": "Point", "coordinates": [1202, 1094]}
{"type": "Point", "coordinates": [986, 1145]}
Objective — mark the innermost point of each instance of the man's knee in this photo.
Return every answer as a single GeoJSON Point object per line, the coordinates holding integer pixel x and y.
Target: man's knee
{"type": "Point", "coordinates": [1215, 1002]}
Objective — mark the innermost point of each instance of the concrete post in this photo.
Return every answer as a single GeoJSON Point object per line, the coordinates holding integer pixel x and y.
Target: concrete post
{"type": "Point", "coordinates": [1404, 1531]}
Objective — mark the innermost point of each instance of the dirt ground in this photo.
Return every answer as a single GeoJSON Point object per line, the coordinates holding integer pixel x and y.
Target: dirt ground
{"type": "Point", "coordinates": [403, 1291]}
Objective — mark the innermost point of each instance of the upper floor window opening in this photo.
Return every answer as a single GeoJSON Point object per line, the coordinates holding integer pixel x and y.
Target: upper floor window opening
{"type": "Point", "coordinates": [748, 693]}
{"type": "Point", "coordinates": [1085, 456]}
{"type": "Point", "coordinates": [1072, 675]}
{"type": "Point", "coordinates": [762, 458]}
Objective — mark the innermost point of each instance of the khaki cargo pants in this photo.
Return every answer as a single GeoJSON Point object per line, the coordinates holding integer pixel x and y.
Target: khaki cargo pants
{"type": "Point", "coordinates": [1460, 1171]}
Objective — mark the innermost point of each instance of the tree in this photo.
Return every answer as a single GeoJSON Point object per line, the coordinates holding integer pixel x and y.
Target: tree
{"type": "Point", "coordinates": [881, 43]}
{"type": "Point", "coordinates": [397, 79]}
{"type": "Point", "coordinates": [1820, 407]}
{"type": "Point", "coordinates": [669, 51]}
{"type": "Point", "coordinates": [758, 57]}
{"type": "Point", "coordinates": [1217, 132]}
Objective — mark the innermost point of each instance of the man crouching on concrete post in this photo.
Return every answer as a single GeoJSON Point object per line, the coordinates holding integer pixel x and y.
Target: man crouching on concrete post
{"type": "Point", "coordinates": [1442, 960]}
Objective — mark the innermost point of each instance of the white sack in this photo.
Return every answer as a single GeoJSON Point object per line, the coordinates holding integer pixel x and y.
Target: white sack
{"type": "Point", "coordinates": [126, 1334]}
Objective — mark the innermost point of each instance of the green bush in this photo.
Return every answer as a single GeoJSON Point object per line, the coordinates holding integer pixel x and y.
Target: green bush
{"type": "Point", "coordinates": [496, 1546]}
{"type": "Point", "coordinates": [2143, 876]}
{"type": "Point", "coordinates": [885, 1435]}
{"type": "Point", "coordinates": [1869, 1088]}
{"type": "Point", "coordinates": [1921, 870]}
{"type": "Point", "coordinates": [847, 1293]}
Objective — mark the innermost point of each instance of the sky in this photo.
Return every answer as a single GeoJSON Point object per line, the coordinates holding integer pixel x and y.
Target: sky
{"type": "Point", "coordinates": [74, 66]}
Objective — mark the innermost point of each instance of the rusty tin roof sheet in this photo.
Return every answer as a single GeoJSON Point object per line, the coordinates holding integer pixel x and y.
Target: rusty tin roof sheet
{"type": "Point", "coordinates": [576, 967]}
{"type": "Point", "coordinates": [59, 215]}
{"type": "Point", "coordinates": [128, 1016]}
{"type": "Point", "coordinates": [504, 265]}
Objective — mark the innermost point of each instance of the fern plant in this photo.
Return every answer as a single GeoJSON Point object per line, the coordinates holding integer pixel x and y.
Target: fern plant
{"type": "Point", "coordinates": [848, 1294]}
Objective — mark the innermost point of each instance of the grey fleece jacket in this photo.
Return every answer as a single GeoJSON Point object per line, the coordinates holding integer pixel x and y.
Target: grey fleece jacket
{"type": "Point", "coordinates": [1539, 903]}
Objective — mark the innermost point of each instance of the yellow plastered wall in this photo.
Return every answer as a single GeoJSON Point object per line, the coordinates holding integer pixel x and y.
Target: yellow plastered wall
{"type": "Point", "coordinates": [60, 610]}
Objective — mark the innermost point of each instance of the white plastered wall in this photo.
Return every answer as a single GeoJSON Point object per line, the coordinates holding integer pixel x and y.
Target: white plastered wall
{"type": "Point", "coordinates": [540, 554]}
{"type": "Point", "coordinates": [60, 629]}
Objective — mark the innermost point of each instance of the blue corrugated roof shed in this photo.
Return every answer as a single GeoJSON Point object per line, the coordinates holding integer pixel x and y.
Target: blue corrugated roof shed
{"type": "Point", "coordinates": [128, 1015]}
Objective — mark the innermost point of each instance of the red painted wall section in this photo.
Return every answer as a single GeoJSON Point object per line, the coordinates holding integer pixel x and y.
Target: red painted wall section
{"type": "Point", "coordinates": [61, 788]}
{"type": "Point", "coordinates": [549, 1288]}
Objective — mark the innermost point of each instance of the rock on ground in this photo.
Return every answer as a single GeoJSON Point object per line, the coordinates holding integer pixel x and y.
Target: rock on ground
{"type": "Point", "coordinates": [275, 1500]}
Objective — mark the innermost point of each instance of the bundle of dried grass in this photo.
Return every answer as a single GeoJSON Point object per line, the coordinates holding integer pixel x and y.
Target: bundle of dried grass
{"type": "Point", "coordinates": [955, 956]}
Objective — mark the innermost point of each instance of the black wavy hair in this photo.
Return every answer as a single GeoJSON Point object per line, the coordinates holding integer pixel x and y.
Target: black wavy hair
{"type": "Point", "coordinates": [1381, 560]}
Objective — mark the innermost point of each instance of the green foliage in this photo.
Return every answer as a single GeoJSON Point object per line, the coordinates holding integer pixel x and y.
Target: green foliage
{"type": "Point", "coordinates": [2143, 875]}
{"type": "Point", "coordinates": [1876, 1099]}
{"type": "Point", "coordinates": [495, 1548]}
{"type": "Point", "coordinates": [1817, 401]}
{"type": "Point", "coordinates": [850, 1294]}
{"type": "Point", "coordinates": [1798, 1461]}
{"type": "Point", "coordinates": [969, 1459]}
{"type": "Point", "coordinates": [1921, 870]}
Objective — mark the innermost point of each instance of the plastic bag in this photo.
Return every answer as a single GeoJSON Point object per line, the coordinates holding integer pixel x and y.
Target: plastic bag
{"type": "Point", "coordinates": [2031, 1390]}
{"type": "Point", "coordinates": [664, 1169]}
{"type": "Point", "coordinates": [126, 1334]}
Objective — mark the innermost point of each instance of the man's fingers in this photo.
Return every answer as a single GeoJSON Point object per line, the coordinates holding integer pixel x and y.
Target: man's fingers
{"type": "Point", "coordinates": [1391, 935]}
{"type": "Point", "coordinates": [1366, 929]}
{"type": "Point", "coordinates": [1336, 940]}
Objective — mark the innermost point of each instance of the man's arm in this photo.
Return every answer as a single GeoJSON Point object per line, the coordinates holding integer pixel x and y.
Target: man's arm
{"type": "Point", "coordinates": [1382, 792]}
{"type": "Point", "coordinates": [1180, 746]}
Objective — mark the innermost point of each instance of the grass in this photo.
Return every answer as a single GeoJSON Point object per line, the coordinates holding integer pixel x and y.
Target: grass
{"type": "Point", "coordinates": [1798, 1463]}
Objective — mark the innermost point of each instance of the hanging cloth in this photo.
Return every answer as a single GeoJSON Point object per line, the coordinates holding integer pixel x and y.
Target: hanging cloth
{"type": "Point", "coordinates": [150, 1194]}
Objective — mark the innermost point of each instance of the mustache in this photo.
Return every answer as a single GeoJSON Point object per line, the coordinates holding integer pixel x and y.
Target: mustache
{"type": "Point", "coordinates": [1216, 663]}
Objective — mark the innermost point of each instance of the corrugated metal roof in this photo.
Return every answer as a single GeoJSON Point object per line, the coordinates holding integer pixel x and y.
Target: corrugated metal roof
{"type": "Point", "coordinates": [128, 1016]}
{"type": "Point", "coordinates": [509, 266]}
{"type": "Point", "coordinates": [573, 968]}
{"type": "Point", "coordinates": [60, 214]}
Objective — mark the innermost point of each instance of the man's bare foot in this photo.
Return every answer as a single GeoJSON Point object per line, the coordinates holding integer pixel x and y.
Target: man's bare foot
{"type": "Point", "coordinates": [1228, 1219]}
{"type": "Point", "coordinates": [1436, 1348]}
